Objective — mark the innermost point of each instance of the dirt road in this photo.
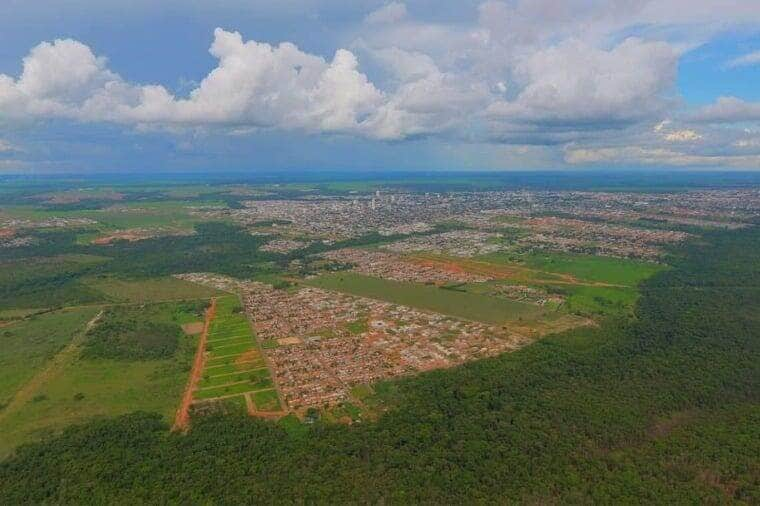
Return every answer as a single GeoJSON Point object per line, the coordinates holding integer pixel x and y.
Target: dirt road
{"type": "Point", "coordinates": [182, 420]}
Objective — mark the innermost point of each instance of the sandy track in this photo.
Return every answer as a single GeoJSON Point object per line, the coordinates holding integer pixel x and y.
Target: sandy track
{"type": "Point", "coordinates": [182, 419]}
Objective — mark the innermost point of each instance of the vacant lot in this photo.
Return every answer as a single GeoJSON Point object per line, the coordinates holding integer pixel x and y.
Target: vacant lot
{"type": "Point", "coordinates": [617, 271]}
{"type": "Point", "coordinates": [149, 290]}
{"type": "Point", "coordinates": [28, 345]}
{"type": "Point", "coordinates": [449, 302]}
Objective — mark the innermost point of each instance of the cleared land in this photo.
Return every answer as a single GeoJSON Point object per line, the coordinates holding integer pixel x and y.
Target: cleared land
{"type": "Point", "coordinates": [459, 304]}
{"type": "Point", "coordinates": [149, 290]}
{"type": "Point", "coordinates": [595, 268]}
{"type": "Point", "coordinates": [233, 365]}
{"type": "Point", "coordinates": [183, 413]}
{"type": "Point", "coordinates": [28, 345]}
{"type": "Point", "coordinates": [592, 285]}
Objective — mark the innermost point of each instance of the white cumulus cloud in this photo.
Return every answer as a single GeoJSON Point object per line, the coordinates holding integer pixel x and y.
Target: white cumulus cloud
{"type": "Point", "coordinates": [729, 110]}
{"type": "Point", "coordinates": [745, 60]}
{"type": "Point", "coordinates": [389, 13]}
{"type": "Point", "coordinates": [574, 83]}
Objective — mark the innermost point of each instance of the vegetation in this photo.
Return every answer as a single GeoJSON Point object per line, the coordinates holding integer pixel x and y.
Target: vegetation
{"type": "Point", "coordinates": [149, 290]}
{"type": "Point", "coordinates": [449, 302]}
{"type": "Point", "coordinates": [84, 387]}
{"type": "Point", "coordinates": [234, 364]}
{"type": "Point", "coordinates": [27, 345]}
{"type": "Point", "coordinates": [662, 409]}
{"type": "Point", "coordinates": [46, 282]}
{"type": "Point", "coordinates": [129, 333]}
{"type": "Point", "coordinates": [617, 271]}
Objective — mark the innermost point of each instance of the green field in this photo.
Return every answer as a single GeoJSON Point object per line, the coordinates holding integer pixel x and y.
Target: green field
{"type": "Point", "coordinates": [234, 364]}
{"type": "Point", "coordinates": [266, 400]}
{"type": "Point", "coordinates": [618, 271]}
{"type": "Point", "coordinates": [173, 214]}
{"type": "Point", "coordinates": [27, 345]}
{"type": "Point", "coordinates": [83, 387]}
{"type": "Point", "coordinates": [459, 304]}
{"type": "Point", "coordinates": [149, 290]}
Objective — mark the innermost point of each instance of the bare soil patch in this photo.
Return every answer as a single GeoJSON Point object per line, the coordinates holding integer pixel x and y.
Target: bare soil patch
{"type": "Point", "coordinates": [248, 356]}
{"type": "Point", "coordinates": [285, 341]}
{"type": "Point", "coordinates": [193, 329]}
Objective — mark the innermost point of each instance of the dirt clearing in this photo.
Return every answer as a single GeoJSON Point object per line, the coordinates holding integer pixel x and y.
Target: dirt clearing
{"type": "Point", "coordinates": [182, 419]}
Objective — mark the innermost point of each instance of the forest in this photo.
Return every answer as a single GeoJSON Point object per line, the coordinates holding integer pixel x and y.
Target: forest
{"type": "Point", "coordinates": [659, 408]}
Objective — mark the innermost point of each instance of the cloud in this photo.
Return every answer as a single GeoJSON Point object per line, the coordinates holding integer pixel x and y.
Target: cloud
{"type": "Point", "coordinates": [639, 155]}
{"type": "Point", "coordinates": [591, 77]}
{"type": "Point", "coordinates": [682, 136]}
{"type": "Point", "coordinates": [574, 83]}
{"type": "Point", "coordinates": [254, 84]}
{"type": "Point", "coordinates": [671, 134]}
{"type": "Point", "coordinates": [729, 110]}
{"type": "Point", "coordinates": [745, 60]}
{"type": "Point", "coordinates": [6, 147]}
{"type": "Point", "coordinates": [389, 13]}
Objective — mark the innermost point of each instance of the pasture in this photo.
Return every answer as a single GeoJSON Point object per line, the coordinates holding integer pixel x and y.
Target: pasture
{"type": "Point", "coordinates": [455, 303]}
{"type": "Point", "coordinates": [27, 345]}
{"type": "Point", "coordinates": [617, 271]}
{"type": "Point", "coordinates": [156, 289]}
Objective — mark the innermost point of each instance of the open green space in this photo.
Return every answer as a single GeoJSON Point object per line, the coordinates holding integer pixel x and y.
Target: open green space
{"type": "Point", "coordinates": [93, 384]}
{"type": "Point", "coordinates": [662, 409]}
{"type": "Point", "coordinates": [449, 302]}
{"type": "Point", "coordinates": [215, 378]}
{"type": "Point", "coordinates": [140, 332]}
{"type": "Point", "coordinates": [233, 389]}
{"type": "Point", "coordinates": [600, 300]}
{"type": "Point", "coordinates": [266, 400]}
{"type": "Point", "coordinates": [618, 271]}
{"type": "Point", "coordinates": [235, 367]}
{"type": "Point", "coordinates": [149, 290]}
{"type": "Point", "coordinates": [122, 215]}
{"type": "Point", "coordinates": [28, 345]}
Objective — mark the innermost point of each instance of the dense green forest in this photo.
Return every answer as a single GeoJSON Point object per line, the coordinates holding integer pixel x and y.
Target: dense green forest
{"type": "Point", "coordinates": [661, 408]}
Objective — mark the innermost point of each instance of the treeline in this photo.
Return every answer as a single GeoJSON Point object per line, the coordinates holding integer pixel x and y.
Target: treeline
{"type": "Point", "coordinates": [663, 408]}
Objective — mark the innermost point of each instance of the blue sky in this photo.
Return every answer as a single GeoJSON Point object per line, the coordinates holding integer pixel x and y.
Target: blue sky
{"type": "Point", "coordinates": [198, 85]}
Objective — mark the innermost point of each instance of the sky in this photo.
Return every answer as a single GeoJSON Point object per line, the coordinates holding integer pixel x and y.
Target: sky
{"type": "Point", "coordinates": [293, 85]}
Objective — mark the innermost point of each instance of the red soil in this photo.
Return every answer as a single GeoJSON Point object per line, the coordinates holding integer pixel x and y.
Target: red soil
{"type": "Point", "coordinates": [182, 420]}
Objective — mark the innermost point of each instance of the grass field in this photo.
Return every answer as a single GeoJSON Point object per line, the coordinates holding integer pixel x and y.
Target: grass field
{"type": "Point", "coordinates": [149, 290]}
{"type": "Point", "coordinates": [593, 286]}
{"type": "Point", "coordinates": [87, 387]}
{"type": "Point", "coordinates": [449, 302]}
{"type": "Point", "coordinates": [234, 365]}
{"type": "Point", "coordinates": [27, 345]}
{"type": "Point", "coordinates": [123, 215]}
{"type": "Point", "coordinates": [266, 400]}
{"type": "Point", "coordinates": [618, 271]}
